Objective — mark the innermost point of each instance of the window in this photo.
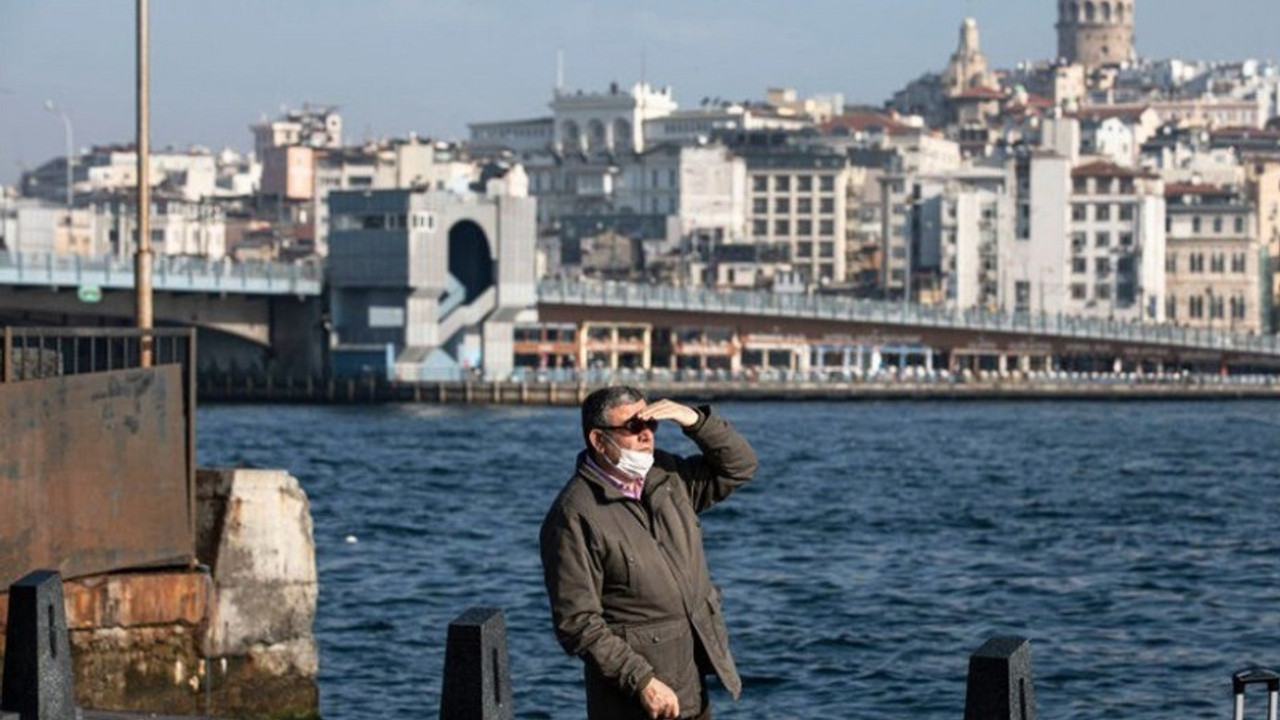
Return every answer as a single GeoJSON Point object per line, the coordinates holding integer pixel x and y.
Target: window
{"type": "Point", "coordinates": [1217, 263]}
{"type": "Point", "coordinates": [760, 183]}
{"type": "Point", "coordinates": [1126, 186]}
{"type": "Point", "coordinates": [1102, 292]}
{"type": "Point", "coordinates": [1171, 307]}
{"type": "Point", "coordinates": [1102, 212]}
{"type": "Point", "coordinates": [1171, 263]}
{"type": "Point", "coordinates": [1022, 296]}
{"type": "Point", "coordinates": [1125, 265]}
{"type": "Point", "coordinates": [1195, 307]}
{"type": "Point", "coordinates": [1217, 307]}
{"type": "Point", "coordinates": [1195, 224]}
{"type": "Point", "coordinates": [1217, 225]}
{"type": "Point", "coordinates": [1124, 293]}
{"type": "Point", "coordinates": [1237, 308]}
{"type": "Point", "coordinates": [804, 205]}
{"type": "Point", "coordinates": [1079, 266]}
{"type": "Point", "coordinates": [826, 205]}
{"type": "Point", "coordinates": [1102, 266]}
{"type": "Point", "coordinates": [1080, 185]}
{"type": "Point", "coordinates": [826, 228]}
{"type": "Point", "coordinates": [1078, 241]}
{"type": "Point", "coordinates": [804, 227]}
{"type": "Point", "coordinates": [804, 249]}
{"type": "Point", "coordinates": [1126, 239]}
{"type": "Point", "coordinates": [1079, 212]}
{"type": "Point", "coordinates": [760, 206]}
{"type": "Point", "coordinates": [1079, 291]}
{"type": "Point", "coordinates": [782, 183]}
{"type": "Point", "coordinates": [1239, 225]}
{"type": "Point", "coordinates": [1237, 262]}
{"type": "Point", "coordinates": [827, 183]}
{"type": "Point", "coordinates": [804, 183]}
{"type": "Point", "coordinates": [759, 228]}
{"type": "Point", "coordinates": [1126, 212]}
{"type": "Point", "coordinates": [826, 249]}
{"type": "Point", "coordinates": [781, 227]}
{"type": "Point", "coordinates": [782, 205]}
{"type": "Point", "coordinates": [1102, 239]}
{"type": "Point", "coordinates": [1197, 262]}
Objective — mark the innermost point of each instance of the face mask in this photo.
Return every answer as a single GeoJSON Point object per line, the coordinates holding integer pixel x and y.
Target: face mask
{"type": "Point", "coordinates": [632, 462]}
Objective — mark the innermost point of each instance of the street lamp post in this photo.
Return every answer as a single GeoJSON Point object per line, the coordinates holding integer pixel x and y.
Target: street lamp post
{"type": "Point", "coordinates": [66, 124]}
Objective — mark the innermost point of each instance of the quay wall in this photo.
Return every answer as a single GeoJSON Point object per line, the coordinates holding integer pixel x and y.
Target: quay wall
{"type": "Point", "coordinates": [230, 636]}
{"type": "Point", "coordinates": [250, 390]}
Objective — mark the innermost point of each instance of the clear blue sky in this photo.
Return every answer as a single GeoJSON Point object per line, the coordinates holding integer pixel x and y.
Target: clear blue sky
{"type": "Point", "coordinates": [431, 66]}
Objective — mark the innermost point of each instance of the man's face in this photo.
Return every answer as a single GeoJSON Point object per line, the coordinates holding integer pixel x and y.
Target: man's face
{"type": "Point", "coordinates": [617, 417]}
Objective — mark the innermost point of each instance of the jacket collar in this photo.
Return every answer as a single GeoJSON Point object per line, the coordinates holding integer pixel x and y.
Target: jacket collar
{"type": "Point", "coordinates": [654, 478]}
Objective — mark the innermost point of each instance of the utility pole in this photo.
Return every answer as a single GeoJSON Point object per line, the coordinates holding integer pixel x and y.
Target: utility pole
{"type": "Point", "coordinates": [142, 258]}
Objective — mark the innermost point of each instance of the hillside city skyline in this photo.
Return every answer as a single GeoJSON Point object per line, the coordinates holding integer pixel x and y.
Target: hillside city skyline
{"type": "Point", "coordinates": [90, 77]}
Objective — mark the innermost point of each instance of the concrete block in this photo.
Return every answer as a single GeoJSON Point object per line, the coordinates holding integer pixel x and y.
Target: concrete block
{"type": "Point", "coordinates": [38, 684]}
{"type": "Point", "coordinates": [1000, 686]}
{"type": "Point", "coordinates": [477, 672]}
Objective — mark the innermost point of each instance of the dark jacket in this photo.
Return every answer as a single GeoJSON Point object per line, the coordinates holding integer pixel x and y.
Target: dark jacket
{"type": "Point", "coordinates": [628, 581]}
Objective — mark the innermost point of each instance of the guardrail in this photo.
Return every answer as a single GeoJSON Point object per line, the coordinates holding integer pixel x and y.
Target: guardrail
{"type": "Point", "coordinates": [36, 353]}
{"type": "Point", "coordinates": [739, 302]}
{"type": "Point", "coordinates": [169, 274]}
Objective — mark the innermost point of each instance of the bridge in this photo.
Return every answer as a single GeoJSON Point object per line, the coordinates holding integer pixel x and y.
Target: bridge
{"type": "Point", "coordinates": [277, 305]}
{"type": "Point", "coordinates": [974, 333]}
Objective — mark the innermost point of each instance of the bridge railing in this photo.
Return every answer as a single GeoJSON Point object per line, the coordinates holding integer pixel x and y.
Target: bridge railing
{"type": "Point", "coordinates": [740, 302]}
{"type": "Point", "coordinates": [169, 273]}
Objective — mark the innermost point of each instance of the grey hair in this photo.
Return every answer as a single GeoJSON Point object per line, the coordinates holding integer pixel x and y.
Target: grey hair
{"type": "Point", "coordinates": [600, 402]}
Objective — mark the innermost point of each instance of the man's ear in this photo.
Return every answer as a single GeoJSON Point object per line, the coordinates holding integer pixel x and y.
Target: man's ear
{"type": "Point", "coordinates": [593, 439]}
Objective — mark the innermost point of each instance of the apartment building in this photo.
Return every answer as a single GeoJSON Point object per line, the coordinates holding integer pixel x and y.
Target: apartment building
{"type": "Point", "coordinates": [798, 198]}
{"type": "Point", "coordinates": [1214, 275]}
{"type": "Point", "coordinates": [1117, 243]}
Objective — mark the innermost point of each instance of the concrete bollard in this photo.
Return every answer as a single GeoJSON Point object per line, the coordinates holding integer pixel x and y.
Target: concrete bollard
{"type": "Point", "coordinates": [477, 673]}
{"type": "Point", "coordinates": [38, 684]}
{"type": "Point", "coordinates": [1000, 686]}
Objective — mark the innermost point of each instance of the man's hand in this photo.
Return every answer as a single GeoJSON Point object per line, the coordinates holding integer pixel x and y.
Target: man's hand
{"type": "Point", "coordinates": [669, 410]}
{"type": "Point", "coordinates": [658, 699]}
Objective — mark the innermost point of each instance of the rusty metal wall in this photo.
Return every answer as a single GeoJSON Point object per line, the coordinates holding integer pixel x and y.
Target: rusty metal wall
{"type": "Point", "coordinates": [94, 473]}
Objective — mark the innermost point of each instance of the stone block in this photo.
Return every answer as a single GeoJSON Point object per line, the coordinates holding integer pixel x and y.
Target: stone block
{"type": "Point", "coordinates": [1000, 686]}
{"type": "Point", "coordinates": [477, 671]}
{"type": "Point", "coordinates": [38, 684]}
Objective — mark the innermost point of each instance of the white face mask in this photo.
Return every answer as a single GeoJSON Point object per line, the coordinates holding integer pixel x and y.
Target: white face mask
{"type": "Point", "coordinates": [632, 462]}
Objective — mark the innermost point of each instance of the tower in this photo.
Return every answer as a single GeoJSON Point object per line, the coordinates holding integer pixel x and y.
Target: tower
{"type": "Point", "coordinates": [968, 67]}
{"type": "Point", "coordinates": [1095, 32]}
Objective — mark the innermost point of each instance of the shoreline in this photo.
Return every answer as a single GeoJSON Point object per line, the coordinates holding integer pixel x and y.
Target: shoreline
{"type": "Point", "coordinates": [571, 394]}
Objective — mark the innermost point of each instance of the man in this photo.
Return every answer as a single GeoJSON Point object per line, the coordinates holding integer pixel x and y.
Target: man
{"type": "Point", "coordinates": [623, 560]}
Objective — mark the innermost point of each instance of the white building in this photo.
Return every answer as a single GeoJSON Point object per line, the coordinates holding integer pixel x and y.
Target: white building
{"type": "Point", "coordinates": [607, 122]}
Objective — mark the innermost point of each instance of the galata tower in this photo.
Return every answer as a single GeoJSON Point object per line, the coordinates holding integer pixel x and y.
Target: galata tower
{"type": "Point", "coordinates": [1096, 32]}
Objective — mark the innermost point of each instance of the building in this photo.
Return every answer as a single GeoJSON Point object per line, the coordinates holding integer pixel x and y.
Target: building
{"type": "Point", "coordinates": [313, 127]}
{"type": "Point", "coordinates": [798, 198]}
{"type": "Point", "coordinates": [607, 122]}
{"type": "Point", "coordinates": [1264, 185]}
{"type": "Point", "coordinates": [1096, 32]}
{"type": "Point", "coordinates": [1117, 243]}
{"type": "Point", "coordinates": [1213, 268]}
{"type": "Point", "coordinates": [968, 68]}
{"type": "Point", "coordinates": [435, 280]}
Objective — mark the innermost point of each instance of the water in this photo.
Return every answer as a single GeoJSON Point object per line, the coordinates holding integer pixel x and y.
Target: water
{"type": "Point", "coordinates": [1135, 544]}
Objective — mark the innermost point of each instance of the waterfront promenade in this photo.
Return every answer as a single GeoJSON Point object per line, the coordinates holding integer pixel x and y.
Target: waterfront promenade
{"type": "Point", "coordinates": [707, 388]}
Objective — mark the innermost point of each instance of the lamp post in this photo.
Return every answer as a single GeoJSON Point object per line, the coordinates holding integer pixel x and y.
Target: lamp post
{"type": "Point", "coordinates": [142, 257]}
{"type": "Point", "coordinates": [66, 124]}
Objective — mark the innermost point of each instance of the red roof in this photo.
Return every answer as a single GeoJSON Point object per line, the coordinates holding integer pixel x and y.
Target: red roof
{"type": "Point", "coordinates": [1102, 168]}
{"type": "Point", "coordinates": [1192, 189]}
{"type": "Point", "coordinates": [862, 122]}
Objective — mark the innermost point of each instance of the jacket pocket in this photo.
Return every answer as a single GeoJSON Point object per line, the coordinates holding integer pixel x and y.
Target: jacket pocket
{"type": "Point", "coordinates": [668, 645]}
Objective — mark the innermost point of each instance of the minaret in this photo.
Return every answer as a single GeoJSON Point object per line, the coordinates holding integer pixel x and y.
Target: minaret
{"type": "Point", "coordinates": [1096, 32]}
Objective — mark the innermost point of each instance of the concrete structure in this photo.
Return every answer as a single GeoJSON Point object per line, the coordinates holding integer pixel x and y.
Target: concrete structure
{"type": "Point", "coordinates": [438, 277]}
{"type": "Point", "coordinates": [1214, 273]}
{"type": "Point", "coordinates": [314, 127]}
{"type": "Point", "coordinates": [1117, 243]}
{"type": "Point", "coordinates": [192, 174]}
{"type": "Point", "coordinates": [1096, 32]}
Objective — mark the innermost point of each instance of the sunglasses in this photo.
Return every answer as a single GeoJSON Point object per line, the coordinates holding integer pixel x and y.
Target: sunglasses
{"type": "Point", "coordinates": [634, 426]}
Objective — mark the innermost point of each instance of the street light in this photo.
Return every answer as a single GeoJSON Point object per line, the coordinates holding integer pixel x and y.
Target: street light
{"type": "Point", "coordinates": [66, 124]}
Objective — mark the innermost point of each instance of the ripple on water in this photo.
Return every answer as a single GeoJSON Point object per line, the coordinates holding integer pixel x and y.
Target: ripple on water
{"type": "Point", "coordinates": [1135, 544]}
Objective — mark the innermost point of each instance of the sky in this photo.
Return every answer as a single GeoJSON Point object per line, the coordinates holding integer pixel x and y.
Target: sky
{"type": "Point", "coordinates": [432, 66]}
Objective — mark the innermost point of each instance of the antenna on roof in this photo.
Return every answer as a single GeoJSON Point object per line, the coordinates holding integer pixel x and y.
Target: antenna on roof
{"type": "Point", "coordinates": [559, 70]}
